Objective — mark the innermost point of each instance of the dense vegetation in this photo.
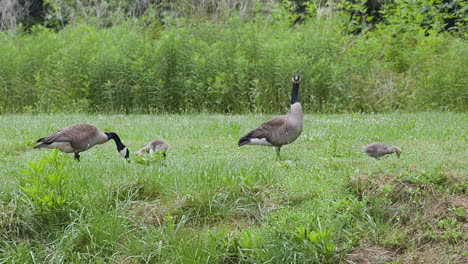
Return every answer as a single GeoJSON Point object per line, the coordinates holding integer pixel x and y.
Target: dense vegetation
{"type": "Point", "coordinates": [236, 58]}
{"type": "Point", "coordinates": [212, 202]}
{"type": "Point", "coordinates": [70, 61]}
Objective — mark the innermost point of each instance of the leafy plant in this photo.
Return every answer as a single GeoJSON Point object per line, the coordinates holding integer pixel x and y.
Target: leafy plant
{"type": "Point", "coordinates": [318, 241]}
{"type": "Point", "coordinates": [46, 185]}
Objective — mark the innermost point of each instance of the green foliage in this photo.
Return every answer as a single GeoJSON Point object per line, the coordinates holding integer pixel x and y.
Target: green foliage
{"type": "Point", "coordinates": [318, 241]}
{"type": "Point", "coordinates": [45, 186]}
{"type": "Point", "coordinates": [432, 17]}
{"type": "Point", "coordinates": [213, 202]}
{"type": "Point", "coordinates": [235, 65]}
{"type": "Point", "coordinates": [150, 158]}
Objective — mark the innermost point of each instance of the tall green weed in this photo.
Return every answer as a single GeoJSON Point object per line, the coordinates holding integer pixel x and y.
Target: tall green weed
{"type": "Point", "coordinates": [44, 185]}
{"type": "Point", "coordinates": [233, 66]}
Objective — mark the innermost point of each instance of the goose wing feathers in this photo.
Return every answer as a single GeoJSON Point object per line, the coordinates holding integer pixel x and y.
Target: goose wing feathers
{"type": "Point", "coordinates": [76, 135]}
{"type": "Point", "coordinates": [58, 136]}
{"type": "Point", "coordinates": [267, 129]}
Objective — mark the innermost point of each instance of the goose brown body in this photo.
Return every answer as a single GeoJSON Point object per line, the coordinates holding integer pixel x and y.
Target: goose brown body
{"type": "Point", "coordinates": [78, 138]}
{"type": "Point", "coordinates": [281, 130]}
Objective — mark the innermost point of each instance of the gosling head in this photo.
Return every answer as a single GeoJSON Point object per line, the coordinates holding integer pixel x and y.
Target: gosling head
{"type": "Point", "coordinates": [296, 78]}
{"type": "Point", "coordinates": [397, 150]}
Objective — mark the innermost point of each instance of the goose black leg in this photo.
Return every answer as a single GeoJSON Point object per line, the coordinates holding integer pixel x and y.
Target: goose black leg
{"type": "Point", "coordinates": [278, 149]}
{"type": "Point", "coordinates": [77, 156]}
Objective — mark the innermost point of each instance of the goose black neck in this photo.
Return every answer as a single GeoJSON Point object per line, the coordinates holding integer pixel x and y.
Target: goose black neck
{"type": "Point", "coordinates": [116, 138]}
{"type": "Point", "coordinates": [295, 93]}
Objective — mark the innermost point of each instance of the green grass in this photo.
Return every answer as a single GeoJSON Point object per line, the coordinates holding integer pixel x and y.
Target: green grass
{"type": "Point", "coordinates": [213, 202]}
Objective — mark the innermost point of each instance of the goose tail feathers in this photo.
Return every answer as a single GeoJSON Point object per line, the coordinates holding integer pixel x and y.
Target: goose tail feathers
{"type": "Point", "coordinates": [40, 141]}
{"type": "Point", "coordinates": [39, 146]}
{"type": "Point", "coordinates": [243, 141]}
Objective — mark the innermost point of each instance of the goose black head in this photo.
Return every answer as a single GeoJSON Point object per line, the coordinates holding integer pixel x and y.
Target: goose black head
{"type": "Point", "coordinates": [121, 148]}
{"type": "Point", "coordinates": [296, 78]}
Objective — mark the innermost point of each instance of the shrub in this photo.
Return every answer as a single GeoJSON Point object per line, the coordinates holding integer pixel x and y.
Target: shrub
{"type": "Point", "coordinates": [46, 187]}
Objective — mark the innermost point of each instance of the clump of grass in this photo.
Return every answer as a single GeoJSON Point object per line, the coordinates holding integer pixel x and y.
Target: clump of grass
{"type": "Point", "coordinates": [407, 211]}
{"type": "Point", "coordinates": [247, 201]}
{"type": "Point", "coordinates": [211, 201]}
{"type": "Point", "coordinates": [15, 218]}
{"type": "Point", "coordinates": [143, 189]}
{"type": "Point", "coordinates": [151, 158]}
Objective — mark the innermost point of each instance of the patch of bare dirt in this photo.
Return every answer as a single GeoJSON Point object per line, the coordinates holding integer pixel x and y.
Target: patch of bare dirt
{"type": "Point", "coordinates": [154, 212]}
{"type": "Point", "coordinates": [459, 200]}
{"type": "Point", "coordinates": [423, 213]}
{"type": "Point", "coordinates": [370, 255]}
{"type": "Point", "coordinates": [432, 254]}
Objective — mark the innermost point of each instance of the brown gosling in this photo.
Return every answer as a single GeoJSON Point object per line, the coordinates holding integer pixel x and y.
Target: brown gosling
{"type": "Point", "coordinates": [379, 149]}
{"type": "Point", "coordinates": [80, 137]}
{"type": "Point", "coordinates": [156, 145]}
{"type": "Point", "coordinates": [281, 130]}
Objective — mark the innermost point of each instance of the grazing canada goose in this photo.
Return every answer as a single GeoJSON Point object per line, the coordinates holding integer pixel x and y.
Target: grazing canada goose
{"type": "Point", "coordinates": [156, 145]}
{"type": "Point", "coordinates": [80, 137]}
{"type": "Point", "coordinates": [379, 149]}
{"type": "Point", "coordinates": [281, 130]}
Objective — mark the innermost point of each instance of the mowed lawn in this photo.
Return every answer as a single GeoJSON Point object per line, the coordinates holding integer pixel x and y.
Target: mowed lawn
{"type": "Point", "coordinates": [210, 201]}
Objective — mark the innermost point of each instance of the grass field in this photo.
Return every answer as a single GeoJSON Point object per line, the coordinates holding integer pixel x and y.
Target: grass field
{"type": "Point", "coordinates": [213, 202]}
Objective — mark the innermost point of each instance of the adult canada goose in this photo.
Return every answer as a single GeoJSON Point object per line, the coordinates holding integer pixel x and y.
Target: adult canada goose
{"type": "Point", "coordinates": [281, 130]}
{"type": "Point", "coordinates": [156, 145]}
{"type": "Point", "coordinates": [80, 137]}
{"type": "Point", "coordinates": [379, 149]}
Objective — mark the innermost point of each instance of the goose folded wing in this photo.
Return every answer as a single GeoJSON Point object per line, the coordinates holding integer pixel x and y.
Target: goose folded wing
{"type": "Point", "coordinates": [265, 130]}
{"type": "Point", "coordinates": [59, 136]}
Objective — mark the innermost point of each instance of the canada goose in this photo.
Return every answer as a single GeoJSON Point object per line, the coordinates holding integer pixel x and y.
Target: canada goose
{"type": "Point", "coordinates": [156, 145]}
{"type": "Point", "coordinates": [379, 149]}
{"type": "Point", "coordinates": [80, 137]}
{"type": "Point", "coordinates": [281, 130]}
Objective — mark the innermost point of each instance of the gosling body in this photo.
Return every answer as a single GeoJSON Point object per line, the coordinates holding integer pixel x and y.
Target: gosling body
{"type": "Point", "coordinates": [379, 149]}
{"type": "Point", "coordinates": [156, 145]}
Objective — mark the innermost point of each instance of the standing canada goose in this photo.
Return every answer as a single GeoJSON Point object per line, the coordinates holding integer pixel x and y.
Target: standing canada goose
{"type": "Point", "coordinates": [80, 137]}
{"type": "Point", "coordinates": [156, 145]}
{"type": "Point", "coordinates": [281, 130]}
{"type": "Point", "coordinates": [379, 149]}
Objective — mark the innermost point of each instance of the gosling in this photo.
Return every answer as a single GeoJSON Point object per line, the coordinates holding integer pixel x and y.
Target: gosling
{"type": "Point", "coordinates": [379, 149]}
{"type": "Point", "coordinates": [156, 145]}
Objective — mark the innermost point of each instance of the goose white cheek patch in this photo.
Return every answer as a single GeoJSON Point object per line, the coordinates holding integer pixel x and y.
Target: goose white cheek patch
{"type": "Point", "coordinates": [123, 152]}
{"type": "Point", "coordinates": [259, 141]}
